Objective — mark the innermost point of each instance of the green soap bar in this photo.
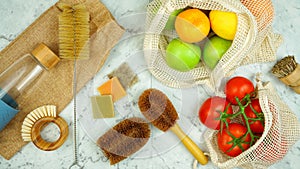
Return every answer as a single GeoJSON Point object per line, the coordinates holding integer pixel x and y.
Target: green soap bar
{"type": "Point", "coordinates": [102, 106]}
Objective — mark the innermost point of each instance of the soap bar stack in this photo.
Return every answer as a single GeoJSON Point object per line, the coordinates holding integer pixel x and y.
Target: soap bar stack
{"type": "Point", "coordinates": [112, 90]}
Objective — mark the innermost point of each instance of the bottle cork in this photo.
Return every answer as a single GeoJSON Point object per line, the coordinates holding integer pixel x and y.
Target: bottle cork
{"type": "Point", "coordinates": [45, 56]}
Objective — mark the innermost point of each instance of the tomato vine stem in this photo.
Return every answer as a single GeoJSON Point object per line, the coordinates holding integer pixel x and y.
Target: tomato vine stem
{"type": "Point", "coordinates": [243, 103]}
{"type": "Point", "coordinates": [247, 101]}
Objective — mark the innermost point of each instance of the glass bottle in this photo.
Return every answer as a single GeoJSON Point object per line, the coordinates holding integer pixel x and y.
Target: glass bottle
{"type": "Point", "coordinates": [20, 76]}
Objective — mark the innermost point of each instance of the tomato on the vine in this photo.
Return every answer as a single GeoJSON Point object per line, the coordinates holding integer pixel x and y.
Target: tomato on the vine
{"type": "Point", "coordinates": [238, 87]}
{"type": "Point", "coordinates": [214, 111]}
{"type": "Point", "coordinates": [254, 111]}
{"type": "Point", "coordinates": [232, 140]}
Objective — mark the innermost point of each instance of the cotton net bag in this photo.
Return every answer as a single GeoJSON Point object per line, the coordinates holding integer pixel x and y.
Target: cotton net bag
{"type": "Point", "coordinates": [254, 41]}
{"type": "Point", "coordinates": [281, 131]}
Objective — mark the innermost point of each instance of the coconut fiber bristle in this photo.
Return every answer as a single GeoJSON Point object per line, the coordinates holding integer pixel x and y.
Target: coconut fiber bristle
{"type": "Point", "coordinates": [284, 67]}
{"type": "Point", "coordinates": [124, 139]}
{"type": "Point", "coordinates": [158, 109]}
{"type": "Point", "coordinates": [74, 31]}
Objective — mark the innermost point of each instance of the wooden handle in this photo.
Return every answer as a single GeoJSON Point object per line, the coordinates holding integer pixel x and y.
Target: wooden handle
{"type": "Point", "coordinates": [190, 145]}
{"type": "Point", "coordinates": [296, 89]}
{"type": "Point", "coordinates": [37, 139]}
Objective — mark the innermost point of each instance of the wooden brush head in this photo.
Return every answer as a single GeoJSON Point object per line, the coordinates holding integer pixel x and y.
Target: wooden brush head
{"type": "Point", "coordinates": [124, 139]}
{"type": "Point", "coordinates": [158, 109]}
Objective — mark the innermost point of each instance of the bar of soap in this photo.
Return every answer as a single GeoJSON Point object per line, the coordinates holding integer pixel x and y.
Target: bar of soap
{"type": "Point", "coordinates": [114, 88]}
{"type": "Point", "coordinates": [125, 74]}
{"type": "Point", "coordinates": [102, 106]}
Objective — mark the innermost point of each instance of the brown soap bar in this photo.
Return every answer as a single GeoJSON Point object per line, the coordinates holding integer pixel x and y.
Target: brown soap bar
{"type": "Point", "coordinates": [102, 106]}
{"type": "Point", "coordinates": [125, 74]}
{"type": "Point", "coordinates": [124, 139]}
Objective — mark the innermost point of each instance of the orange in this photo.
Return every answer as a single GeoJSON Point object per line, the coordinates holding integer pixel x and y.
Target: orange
{"type": "Point", "coordinates": [192, 25]}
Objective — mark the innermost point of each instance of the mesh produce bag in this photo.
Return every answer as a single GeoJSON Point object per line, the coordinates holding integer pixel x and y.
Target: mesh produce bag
{"type": "Point", "coordinates": [281, 131]}
{"type": "Point", "coordinates": [254, 41]}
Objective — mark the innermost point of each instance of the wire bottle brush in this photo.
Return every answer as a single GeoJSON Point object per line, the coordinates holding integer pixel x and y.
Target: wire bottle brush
{"type": "Point", "coordinates": [74, 44]}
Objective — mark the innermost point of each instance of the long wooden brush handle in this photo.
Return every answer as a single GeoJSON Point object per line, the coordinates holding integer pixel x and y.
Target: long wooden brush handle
{"type": "Point", "coordinates": [190, 145]}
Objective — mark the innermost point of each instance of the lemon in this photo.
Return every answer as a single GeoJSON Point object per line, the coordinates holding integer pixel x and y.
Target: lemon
{"type": "Point", "coordinates": [224, 24]}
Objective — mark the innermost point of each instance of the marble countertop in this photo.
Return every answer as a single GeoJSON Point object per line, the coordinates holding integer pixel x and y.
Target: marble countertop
{"type": "Point", "coordinates": [16, 15]}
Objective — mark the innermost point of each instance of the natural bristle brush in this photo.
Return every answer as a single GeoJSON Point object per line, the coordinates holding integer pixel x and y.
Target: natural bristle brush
{"type": "Point", "coordinates": [74, 33]}
{"type": "Point", "coordinates": [124, 139]}
{"type": "Point", "coordinates": [36, 120]}
{"type": "Point", "coordinates": [159, 110]}
{"type": "Point", "coordinates": [287, 70]}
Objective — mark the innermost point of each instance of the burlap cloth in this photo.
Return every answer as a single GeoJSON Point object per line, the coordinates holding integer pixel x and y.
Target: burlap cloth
{"type": "Point", "coordinates": [55, 86]}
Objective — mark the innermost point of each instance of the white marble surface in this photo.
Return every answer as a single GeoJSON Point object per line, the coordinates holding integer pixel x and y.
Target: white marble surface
{"type": "Point", "coordinates": [16, 15]}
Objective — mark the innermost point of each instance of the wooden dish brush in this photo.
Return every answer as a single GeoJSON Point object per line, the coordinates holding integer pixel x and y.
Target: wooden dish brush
{"type": "Point", "coordinates": [36, 120]}
{"type": "Point", "coordinates": [159, 110]}
{"type": "Point", "coordinates": [287, 70]}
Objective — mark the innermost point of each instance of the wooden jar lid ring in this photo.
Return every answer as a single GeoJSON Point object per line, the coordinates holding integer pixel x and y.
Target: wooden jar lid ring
{"type": "Point", "coordinates": [37, 139]}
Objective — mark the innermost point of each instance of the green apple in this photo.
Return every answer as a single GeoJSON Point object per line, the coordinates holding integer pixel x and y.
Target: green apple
{"type": "Point", "coordinates": [182, 56]}
{"type": "Point", "coordinates": [171, 21]}
{"type": "Point", "coordinates": [214, 49]}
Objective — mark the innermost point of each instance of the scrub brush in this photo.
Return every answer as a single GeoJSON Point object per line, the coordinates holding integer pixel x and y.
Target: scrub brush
{"type": "Point", "coordinates": [36, 120]}
{"type": "Point", "coordinates": [284, 67]}
{"type": "Point", "coordinates": [74, 44]}
{"type": "Point", "coordinates": [124, 139]}
{"type": "Point", "coordinates": [159, 110]}
{"type": "Point", "coordinates": [287, 70]}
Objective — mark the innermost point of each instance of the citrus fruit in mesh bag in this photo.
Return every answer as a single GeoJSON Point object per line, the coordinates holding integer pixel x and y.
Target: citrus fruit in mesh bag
{"type": "Point", "coordinates": [224, 24]}
{"type": "Point", "coordinates": [192, 25]}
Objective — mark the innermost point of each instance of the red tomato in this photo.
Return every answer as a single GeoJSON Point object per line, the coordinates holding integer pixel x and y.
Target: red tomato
{"type": "Point", "coordinates": [255, 126]}
{"type": "Point", "coordinates": [230, 135]}
{"type": "Point", "coordinates": [211, 110]}
{"type": "Point", "coordinates": [238, 87]}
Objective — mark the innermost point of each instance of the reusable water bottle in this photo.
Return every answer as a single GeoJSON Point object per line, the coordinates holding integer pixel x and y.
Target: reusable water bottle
{"type": "Point", "coordinates": [20, 76]}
